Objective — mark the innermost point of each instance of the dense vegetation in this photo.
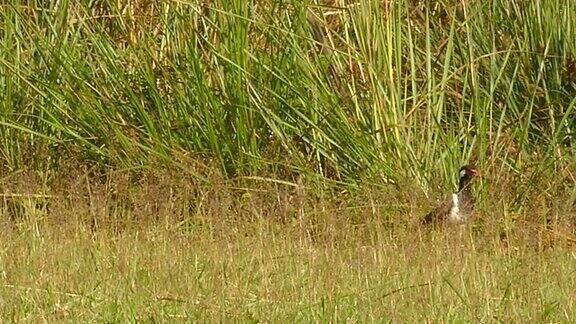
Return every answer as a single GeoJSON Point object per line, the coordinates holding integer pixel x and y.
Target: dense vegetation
{"type": "Point", "coordinates": [321, 130]}
{"type": "Point", "coordinates": [247, 87]}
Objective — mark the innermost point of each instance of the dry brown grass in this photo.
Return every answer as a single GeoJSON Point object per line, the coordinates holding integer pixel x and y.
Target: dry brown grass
{"type": "Point", "coordinates": [157, 246]}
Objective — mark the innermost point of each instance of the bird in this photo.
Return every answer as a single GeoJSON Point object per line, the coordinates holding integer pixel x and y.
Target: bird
{"type": "Point", "coordinates": [458, 208]}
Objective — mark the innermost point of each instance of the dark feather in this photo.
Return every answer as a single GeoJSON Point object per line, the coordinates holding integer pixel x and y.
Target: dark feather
{"type": "Point", "coordinates": [439, 213]}
{"type": "Point", "coordinates": [465, 199]}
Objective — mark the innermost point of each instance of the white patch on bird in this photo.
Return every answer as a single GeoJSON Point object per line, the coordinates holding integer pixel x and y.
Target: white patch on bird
{"type": "Point", "coordinates": [454, 214]}
{"type": "Point", "coordinates": [462, 173]}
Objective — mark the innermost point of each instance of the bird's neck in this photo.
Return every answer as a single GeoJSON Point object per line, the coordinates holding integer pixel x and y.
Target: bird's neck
{"type": "Point", "coordinates": [464, 185]}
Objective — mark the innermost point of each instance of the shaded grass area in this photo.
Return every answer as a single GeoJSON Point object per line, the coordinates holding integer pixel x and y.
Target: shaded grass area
{"type": "Point", "coordinates": [167, 249]}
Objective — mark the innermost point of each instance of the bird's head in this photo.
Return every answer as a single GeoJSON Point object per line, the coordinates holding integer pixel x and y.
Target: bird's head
{"type": "Point", "coordinates": [467, 172]}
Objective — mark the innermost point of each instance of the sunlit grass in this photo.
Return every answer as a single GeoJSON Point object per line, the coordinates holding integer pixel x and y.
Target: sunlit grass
{"type": "Point", "coordinates": [270, 161]}
{"type": "Point", "coordinates": [165, 248]}
{"type": "Point", "coordinates": [264, 270]}
{"type": "Point", "coordinates": [397, 88]}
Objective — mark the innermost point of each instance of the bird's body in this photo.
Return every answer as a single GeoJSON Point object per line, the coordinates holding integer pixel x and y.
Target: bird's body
{"type": "Point", "coordinates": [459, 207]}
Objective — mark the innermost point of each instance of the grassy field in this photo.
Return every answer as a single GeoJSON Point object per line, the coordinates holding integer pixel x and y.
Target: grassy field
{"type": "Point", "coordinates": [268, 271]}
{"type": "Point", "coordinates": [270, 161]}
{"type": "Point", "coordinates": [78, 255]}
{"type": "Point", "coordinates": [163, 250]}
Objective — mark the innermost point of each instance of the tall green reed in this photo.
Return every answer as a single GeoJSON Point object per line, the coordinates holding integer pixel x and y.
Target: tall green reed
{"type": "Point", "coordinates": [370, 91]}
